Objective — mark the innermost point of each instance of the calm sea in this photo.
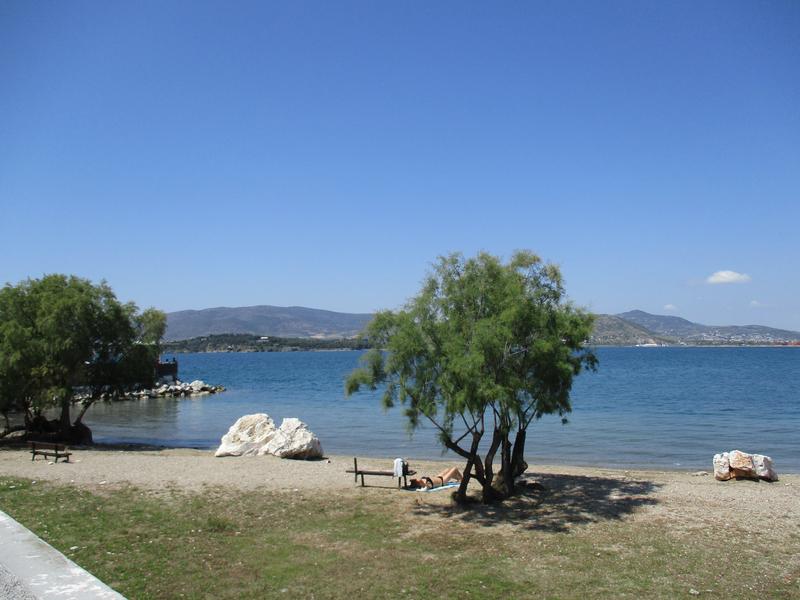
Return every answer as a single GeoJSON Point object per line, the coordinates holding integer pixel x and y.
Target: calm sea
{"type": "Point", "coordinates": [645, 407]}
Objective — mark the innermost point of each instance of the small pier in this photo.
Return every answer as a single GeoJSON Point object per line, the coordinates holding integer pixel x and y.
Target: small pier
{"type": "Point", "coordinates": [167, 368]}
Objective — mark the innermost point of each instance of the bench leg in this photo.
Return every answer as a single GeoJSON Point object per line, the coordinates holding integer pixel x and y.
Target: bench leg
{"type": "Point", "coordinates": [362, 480]}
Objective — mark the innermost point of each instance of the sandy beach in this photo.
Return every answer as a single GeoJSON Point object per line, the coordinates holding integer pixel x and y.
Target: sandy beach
{"type": "Point", "coordinates": [685, 499]}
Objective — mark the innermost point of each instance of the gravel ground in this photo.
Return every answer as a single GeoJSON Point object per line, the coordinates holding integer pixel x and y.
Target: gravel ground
{"type": "Point", "coordinates": [687, 499]}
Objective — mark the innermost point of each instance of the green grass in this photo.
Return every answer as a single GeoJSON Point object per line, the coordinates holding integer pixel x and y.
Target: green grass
{"type": "Point", "coordinates": [172, 544]}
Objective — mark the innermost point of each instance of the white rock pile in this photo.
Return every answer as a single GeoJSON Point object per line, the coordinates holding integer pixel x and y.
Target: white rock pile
{"type": "Point", "coordinates": [178, 389]}
{"type": "Point", "coordinates": [256, 435]}
{"type": "Point", "coordinates": [175, 389]}
{"type": "Point", "coordinates": [735, 464]}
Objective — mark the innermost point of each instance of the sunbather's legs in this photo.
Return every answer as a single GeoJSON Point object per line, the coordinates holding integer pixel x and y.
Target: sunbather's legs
{"type": "Point", "coordinates": [450, 474]}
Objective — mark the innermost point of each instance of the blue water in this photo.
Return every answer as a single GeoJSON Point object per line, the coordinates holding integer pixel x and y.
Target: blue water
{"type": "Point", "coordinates": [645, 407]}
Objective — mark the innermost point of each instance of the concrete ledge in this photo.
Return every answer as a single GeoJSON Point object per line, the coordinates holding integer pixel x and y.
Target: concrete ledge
{"type": "Point", "coordinates": [32, 568]}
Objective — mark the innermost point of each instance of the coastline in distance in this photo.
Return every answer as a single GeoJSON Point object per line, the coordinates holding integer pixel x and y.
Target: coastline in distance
{"type": "Point", "coordinates": [625, 329]}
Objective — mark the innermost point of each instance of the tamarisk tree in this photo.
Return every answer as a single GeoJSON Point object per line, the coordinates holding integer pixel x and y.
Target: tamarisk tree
{"type": "Point", "coordinates": [481, 352]}
{"type": "Point", "coordinates": [60, 334]}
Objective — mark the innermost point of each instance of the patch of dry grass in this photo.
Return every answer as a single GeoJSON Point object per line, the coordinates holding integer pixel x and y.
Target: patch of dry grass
{"type": "Point", "coordinates": [569, 537]}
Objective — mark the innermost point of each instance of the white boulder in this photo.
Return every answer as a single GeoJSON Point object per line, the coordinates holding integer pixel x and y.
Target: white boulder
{"type": "Point", "coordinates": [736, 463]}
{"type": "Point", "coordinates": [722, 467]}
{"type": "Point", "coordinates": [741, 464]}
{"type": "Point", "coordinates": [293, 439]}
{"type": "Point", "coordinates": [764, 468]}
{"type": "Point", "coordinates": [249, 436]}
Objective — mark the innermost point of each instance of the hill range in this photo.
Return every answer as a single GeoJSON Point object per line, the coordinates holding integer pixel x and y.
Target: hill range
{"type": "Point", "coordinates": [288, 322]}
{"type": "Point", "coordinates": [680, 329]}
{"type": "Point", "coordinates": [624, 329]}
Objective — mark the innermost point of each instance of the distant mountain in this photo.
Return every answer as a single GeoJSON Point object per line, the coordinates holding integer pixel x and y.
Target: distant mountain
{"type": "Point", "coordinates": [689, 332]}
{"type": "Point", "coordinates": [291, 321]}
{"type": "Point", "coordinates": [625, 329]}
{"type": "Point", "coordinates": [663, 324]}
{"type": "Point", "coordinates": [610, 330]}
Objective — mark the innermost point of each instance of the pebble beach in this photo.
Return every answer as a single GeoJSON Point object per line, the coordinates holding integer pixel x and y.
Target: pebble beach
{"type": "Point", "coordinates": [687, 497]}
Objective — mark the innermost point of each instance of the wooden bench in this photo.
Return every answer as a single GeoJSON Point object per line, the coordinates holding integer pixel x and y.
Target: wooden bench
{"type": "Point", "coordinates": [361, 472]}
{"type": "Point", "coordinates": [47, 449]}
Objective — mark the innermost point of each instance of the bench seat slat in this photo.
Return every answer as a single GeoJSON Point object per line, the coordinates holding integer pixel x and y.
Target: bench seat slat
{"type": "Point", "coordinates": [361, 472]}
{"type": "Point", "coordinates": [48, 453]}
{"type": "Point", "coordinates": [368, 472]}
{"type": "Point", "coordinates": [384, 473]}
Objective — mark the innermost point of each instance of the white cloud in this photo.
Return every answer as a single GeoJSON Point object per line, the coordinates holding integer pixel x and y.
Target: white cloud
{"type": "Point", "coordinates": [728, 277]}
{"type": "Point", "coordinates": [670, 307]}
{"type": "Point", "coordinates": [756, 304]}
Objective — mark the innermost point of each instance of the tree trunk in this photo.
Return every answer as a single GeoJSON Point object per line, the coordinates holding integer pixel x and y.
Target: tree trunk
{"type": "Point", "coordinates": [85, 406]}
{"type": "Point", "coordinates": [28, 418]}
{"type": "Point", "coordinates": [489, 494]}
{"type": "Point", "coordinates": [513, 464]}
{"type": "Point", "coordinates": [64, 422]}
{"type": "Point", "coordinates": [518, 464]}
{"type": "Point", "coordinates": [461, 494]}
{"type": "Point", "coordinates": [508, 471]}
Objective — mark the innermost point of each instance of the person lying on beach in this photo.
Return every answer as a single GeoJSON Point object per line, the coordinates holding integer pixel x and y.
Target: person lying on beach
{"type": "Point", "coordinates": [446, 476]}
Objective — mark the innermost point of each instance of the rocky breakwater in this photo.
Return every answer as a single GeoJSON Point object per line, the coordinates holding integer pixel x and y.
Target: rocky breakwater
{"type": "Point", "coordinates": [737, 464]}
{"type": "Point", "coordinates": [256, 435]}
{"type": "Point", "coordinates": [179, 389]}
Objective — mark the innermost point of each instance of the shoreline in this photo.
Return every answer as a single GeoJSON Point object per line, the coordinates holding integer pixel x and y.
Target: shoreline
{"type": "Point", "coordinates": [188, 469]}
{"type": "Point", "coordinates": [540, 462]}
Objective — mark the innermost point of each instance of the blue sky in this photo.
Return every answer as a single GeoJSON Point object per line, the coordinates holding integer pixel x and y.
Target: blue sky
{"type": "Point", "coordinates": [200, 154]}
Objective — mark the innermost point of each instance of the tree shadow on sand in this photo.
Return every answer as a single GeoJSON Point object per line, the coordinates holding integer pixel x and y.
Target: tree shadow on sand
{"type": "Point", "coordinates": [554, 502]}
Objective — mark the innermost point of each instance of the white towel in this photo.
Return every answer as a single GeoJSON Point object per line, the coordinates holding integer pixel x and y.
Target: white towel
{"type": "Point", "coordinates": [398, 467]}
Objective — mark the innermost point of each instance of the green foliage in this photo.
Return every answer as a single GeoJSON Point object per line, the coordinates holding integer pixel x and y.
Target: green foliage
{"type": "Point", "coordinates": [150, 326]}
{"type": "Point", "coordinates": [60, 333]}
{"type": "Point", "coordinates": [484, 346]}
